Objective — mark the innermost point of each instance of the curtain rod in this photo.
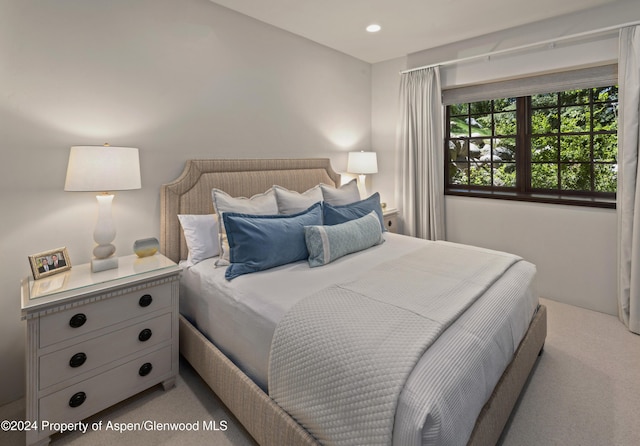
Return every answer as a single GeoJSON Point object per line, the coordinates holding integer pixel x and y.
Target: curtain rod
{"type": "Point", "coordinates": [526, 46]}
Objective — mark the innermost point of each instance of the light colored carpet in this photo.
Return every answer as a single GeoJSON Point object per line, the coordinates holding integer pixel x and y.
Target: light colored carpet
{"type": "Point", "coordinates": [585, 390]}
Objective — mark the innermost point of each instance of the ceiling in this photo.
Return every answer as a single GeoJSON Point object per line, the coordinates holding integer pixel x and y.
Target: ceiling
{"type": "Point", "coordinates": [407, 25]}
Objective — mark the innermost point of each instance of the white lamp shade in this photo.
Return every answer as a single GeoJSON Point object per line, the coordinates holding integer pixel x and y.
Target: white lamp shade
{"type": "Point", "coordinates": [362, 163]}
{"type": "Point", "coordinates": [103, 169]}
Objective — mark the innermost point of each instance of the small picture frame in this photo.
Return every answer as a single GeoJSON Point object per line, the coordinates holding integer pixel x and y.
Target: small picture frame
{"type": "Point", "coordinates": [48, 263]}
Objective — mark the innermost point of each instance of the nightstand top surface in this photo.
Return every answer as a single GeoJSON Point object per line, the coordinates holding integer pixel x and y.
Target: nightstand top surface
{"type": "Point", "coordinates": [80, 280]}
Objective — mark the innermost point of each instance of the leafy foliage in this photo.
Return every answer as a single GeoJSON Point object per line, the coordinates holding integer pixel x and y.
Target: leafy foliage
{"type": "Point", "coordinates": [572, 141]}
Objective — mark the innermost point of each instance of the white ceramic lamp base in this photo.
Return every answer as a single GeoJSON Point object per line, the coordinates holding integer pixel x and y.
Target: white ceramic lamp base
{"type": "Point", "coordinates": [98, 265]}
{"type": "Point", "coordinates": [103, 235]}
{"type": "Point", "coordinates": [362, 186]}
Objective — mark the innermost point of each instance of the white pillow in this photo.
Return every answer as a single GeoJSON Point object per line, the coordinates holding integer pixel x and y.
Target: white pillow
{"type": "Point", "coordinates": [259, 204]}
{"type": "Point", "coordinates": [346, 194]}
{"type": "Point", "coordinates": [201, 235]}
{"type": "Point", "coordinates": [292, 202]}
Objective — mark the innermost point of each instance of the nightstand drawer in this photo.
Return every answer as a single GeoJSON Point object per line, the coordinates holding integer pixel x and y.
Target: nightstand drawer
{"type": "Point", "coordinates": [391, 220]}
{"type": "Point", "coordinates": [391, 223]}
{"type": "Point", "coordinates": [95, 315]}
{"type": "Point", "coordinates": [81, 358]}
{"type": "Point", "coordinates": [102, 391]}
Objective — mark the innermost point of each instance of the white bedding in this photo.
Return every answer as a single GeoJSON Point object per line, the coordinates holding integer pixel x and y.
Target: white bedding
{"type": "Point", "coordinates": [445, 392]}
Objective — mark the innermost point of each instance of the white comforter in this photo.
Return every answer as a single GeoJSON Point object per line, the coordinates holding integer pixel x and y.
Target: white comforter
{"type": "Point", "coordinates": [451, 382]}
{"type": "Point", "coordinates": [340, 357]}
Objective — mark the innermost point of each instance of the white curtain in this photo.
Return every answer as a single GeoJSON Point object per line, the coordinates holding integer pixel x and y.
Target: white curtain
{"type": "Point", "coordinates": [421, 153]}
{"type": "Point", "coordinates": [628, 195]}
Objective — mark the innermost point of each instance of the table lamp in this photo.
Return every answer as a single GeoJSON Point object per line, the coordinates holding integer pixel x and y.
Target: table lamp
{"type": "Point", "coordinates": [103, 169]}
{"type": "Point", "coordinates": [362, 164]}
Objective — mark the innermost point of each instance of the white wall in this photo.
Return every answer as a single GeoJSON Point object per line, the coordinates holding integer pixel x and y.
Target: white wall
{"type": "Point", "coordinates": [385, 86]}
{"type": "Point", "coordinates": [178, 79]}
{"type": "Point", "coordinates": [574, 248]}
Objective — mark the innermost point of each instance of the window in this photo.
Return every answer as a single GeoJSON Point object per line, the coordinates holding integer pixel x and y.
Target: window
{"type": "Point", "coordinates": [550, 147]}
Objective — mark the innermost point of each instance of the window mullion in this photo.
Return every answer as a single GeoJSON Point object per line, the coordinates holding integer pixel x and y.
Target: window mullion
{"type": "Point", "coordinates": [591, 136]}
{"type": "Point", "coordinates": [559, 162]}
{"type": "Point", "coordinates": [447, 152]}
{"type": "Point", "coordinates": [523, 142]}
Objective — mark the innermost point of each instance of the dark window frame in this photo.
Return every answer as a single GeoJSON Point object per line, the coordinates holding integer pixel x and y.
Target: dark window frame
{"type": "Point", "coordinates": [522, 191]}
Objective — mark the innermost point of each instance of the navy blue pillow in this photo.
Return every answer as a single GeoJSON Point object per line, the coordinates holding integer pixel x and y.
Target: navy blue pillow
{"type": "Point", "coordinates": [259, 242]}
{"type": "Point", "coordinates": [334, 215]}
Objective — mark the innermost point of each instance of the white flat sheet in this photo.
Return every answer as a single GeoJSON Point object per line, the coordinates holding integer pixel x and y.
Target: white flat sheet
{"type": "Point", "coordinates": [446, 391]}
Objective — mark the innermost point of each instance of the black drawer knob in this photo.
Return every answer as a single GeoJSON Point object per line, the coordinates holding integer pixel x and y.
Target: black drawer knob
{"type": "Point", "coordinates": [77, 360]}
{"type": "Point", "coordinates": [77, 399]}
{"type": "Point", "coordinates": [145, 300]}
{"type": "Point", "coordinates": [144, 335]}
{"type": "Point", "coordinates": [145, 369]}
{"type": "Point", "coordinates": [77, 320]}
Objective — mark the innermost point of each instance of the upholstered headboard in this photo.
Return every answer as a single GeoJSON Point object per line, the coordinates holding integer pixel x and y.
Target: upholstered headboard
{"type": "Point", "coordinates": [190, 193]}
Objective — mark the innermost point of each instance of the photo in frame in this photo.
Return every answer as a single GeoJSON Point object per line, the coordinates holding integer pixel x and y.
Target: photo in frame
{"type": "Point", "coordinates": [48, 263]}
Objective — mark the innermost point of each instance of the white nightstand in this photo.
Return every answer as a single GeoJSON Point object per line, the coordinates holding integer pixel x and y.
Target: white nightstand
{"type": "Point", "coordinates": [390, 217]}
{"type": "Point", "coordinates": [94, 339]}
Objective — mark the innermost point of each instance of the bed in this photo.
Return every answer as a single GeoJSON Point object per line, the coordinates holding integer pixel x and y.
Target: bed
{"type": "Point", "coordinates": [243, 391]}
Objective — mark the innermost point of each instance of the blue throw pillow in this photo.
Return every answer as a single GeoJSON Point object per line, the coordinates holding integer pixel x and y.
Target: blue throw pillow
{"type": "Point", "coordinates": [328, 243]}
{"type": "Point", "coordinates": [259, 242]}
{"type": "Point", "coordinates": [334, 215]}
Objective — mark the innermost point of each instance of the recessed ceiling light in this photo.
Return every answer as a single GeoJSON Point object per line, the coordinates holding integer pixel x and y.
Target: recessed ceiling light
{"type": "Point", "coordinates": [374, 28]}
